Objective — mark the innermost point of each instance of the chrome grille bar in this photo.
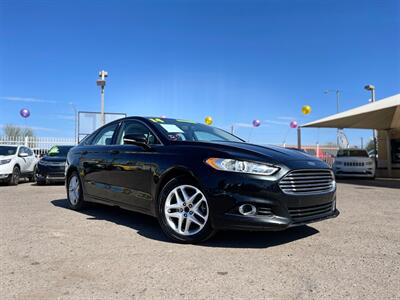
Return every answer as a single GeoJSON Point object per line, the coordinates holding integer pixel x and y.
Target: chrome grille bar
{"type": "Point", "coordinates": [308, 182]}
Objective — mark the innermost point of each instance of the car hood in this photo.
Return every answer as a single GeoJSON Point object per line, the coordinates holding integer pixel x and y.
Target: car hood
{"type": "Point", "coordinates": [54, 158]}
{"type": "Point", "coordinates": [273, 154]}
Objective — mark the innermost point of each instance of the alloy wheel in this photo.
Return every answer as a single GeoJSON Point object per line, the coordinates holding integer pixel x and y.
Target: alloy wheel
{"type": "Point", "coordinates": [186, 210]}
{"type": "Point", "coordinates": [73, 190]}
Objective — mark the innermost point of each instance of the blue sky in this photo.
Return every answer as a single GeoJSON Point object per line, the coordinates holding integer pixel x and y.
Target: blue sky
{"type": "Point", "coordinates": [233, 60]}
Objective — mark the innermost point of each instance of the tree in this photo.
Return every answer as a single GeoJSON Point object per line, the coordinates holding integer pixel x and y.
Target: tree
{"type": "Point", "coordinates": [14, 132]}
{"type": "Point", "coordinates": [370, 146]}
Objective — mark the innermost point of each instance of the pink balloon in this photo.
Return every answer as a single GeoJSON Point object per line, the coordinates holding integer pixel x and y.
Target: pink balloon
{"type": "Point", "coordinates": [293, 124]}
{"type": "Point", "coordinates": [256, 123]}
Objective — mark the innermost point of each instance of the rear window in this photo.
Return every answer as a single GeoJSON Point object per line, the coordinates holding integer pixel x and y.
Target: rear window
{"type": "Point", "coordinates": [352, 153]}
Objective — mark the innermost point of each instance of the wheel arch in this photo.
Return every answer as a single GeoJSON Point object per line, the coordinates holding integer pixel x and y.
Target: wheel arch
{"type": "Point", "coordinates": [71, 169]}
{"type": "Point", "coordinates": [169, 175]}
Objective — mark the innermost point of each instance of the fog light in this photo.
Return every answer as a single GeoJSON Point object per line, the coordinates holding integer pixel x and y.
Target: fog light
{"type": "Point", "coordinates": [247, 210]}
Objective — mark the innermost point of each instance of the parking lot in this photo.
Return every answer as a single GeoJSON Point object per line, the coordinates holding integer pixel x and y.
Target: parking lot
{"type": "Point", "coordinates": [51, 252]}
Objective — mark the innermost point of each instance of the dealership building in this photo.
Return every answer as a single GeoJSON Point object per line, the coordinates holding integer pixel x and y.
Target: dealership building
{"type": "Point", "coordinates": [383, 116]}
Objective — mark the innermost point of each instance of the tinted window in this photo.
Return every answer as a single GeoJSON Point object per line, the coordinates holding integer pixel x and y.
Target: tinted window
{"type": "Point", "coordinates": [136, 129]}
{"type": "Point", "coordinates": [6, 150]}
{"type": "Point", "coordinates": [104, 137]}
{"type": "Point", "coordinates": [352, 153]}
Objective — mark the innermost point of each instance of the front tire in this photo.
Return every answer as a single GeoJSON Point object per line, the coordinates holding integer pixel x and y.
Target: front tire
{"type": "Point", "coordinates": [74, 192]}
{"type": "Point", "coordinates": [32, 178]}
{"type": "Point", "coordinates": [14, 177]}
{"type": "Point", "coordinates": [183, 212]}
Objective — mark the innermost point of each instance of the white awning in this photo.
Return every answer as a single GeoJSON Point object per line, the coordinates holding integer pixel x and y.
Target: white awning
{"type": "Point", "coordinates": [382, 114]}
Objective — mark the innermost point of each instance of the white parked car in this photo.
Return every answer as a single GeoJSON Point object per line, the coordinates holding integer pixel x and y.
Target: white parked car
{"type": "Point", "coordinates": [16, 162]}
{"type": "Point", "coordinates": [354, 163]}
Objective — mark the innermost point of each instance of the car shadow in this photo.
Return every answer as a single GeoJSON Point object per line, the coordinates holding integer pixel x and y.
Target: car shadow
{"type": "Point", "coordinates": [48, 184]}
{"type": "Point", "coordinates": [385, 183]}
{"type": "Point", "coordinates": [148, 227]}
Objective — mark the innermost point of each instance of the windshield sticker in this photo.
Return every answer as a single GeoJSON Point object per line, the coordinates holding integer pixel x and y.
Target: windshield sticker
{"type": "Point", "coordinates": [157, 120]}
{"type": "Point", "coordinates": [171, 128]}
{"type": "Point", "coordinates": [53, 150]}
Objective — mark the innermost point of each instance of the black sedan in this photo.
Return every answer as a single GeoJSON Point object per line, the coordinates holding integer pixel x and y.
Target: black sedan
{"type": "Point", "coordinates": [197, 179]}
{"type": "Point", "coordinates": [51, 167]}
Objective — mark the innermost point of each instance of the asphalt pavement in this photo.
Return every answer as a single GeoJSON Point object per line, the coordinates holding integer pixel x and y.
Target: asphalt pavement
{"type": "Point", "coordinates": [51, 252]}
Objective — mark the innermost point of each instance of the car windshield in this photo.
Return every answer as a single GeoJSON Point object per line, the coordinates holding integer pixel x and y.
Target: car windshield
{"type": "Point", "coordinates": [59, 150]}
{"type": "Point", "coordinates": [352, 153]}
{"type": "Point", "coordinates": [8, 150]}
{"type": "Point", "coordinates": [183, 130]}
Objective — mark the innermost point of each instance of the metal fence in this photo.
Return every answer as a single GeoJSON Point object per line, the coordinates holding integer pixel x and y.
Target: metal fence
{"type": "Point", "coordinates": [40, 145]}
{"type": "Point", "coordinates": [324, 153]}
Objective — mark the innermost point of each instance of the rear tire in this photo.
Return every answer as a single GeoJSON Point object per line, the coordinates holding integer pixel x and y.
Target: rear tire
{"type": "Point", "coordinates": [14, 177]}
{"type": "Point", "coordinates": [183, 212]}
{"type": "Point", "coordinates": [74, 192]}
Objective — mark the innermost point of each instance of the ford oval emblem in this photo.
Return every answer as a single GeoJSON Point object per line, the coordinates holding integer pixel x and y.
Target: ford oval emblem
{"type": "Point", "coordinates": [311, 163]}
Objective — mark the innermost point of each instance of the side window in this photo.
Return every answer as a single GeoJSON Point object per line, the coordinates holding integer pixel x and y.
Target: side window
{"type": "Point", "coordinates": [29, 151]}
{"type": "Point", "coordinates": [137, 129]}
{"type": "Point", "coordinates": [104, 137]}
{"type": "Point", "coordinates": [22, 150]}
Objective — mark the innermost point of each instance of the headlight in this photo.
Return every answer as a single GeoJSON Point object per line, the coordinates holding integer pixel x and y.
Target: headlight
{"type": "Point", "coordinates": [43, 162]}
{"type": "Point", "coordinates": [4, 161]}
{"type": "Point", "coordinates": [50, 163]}
{"type": "Point", "coordinates": [241, 166]}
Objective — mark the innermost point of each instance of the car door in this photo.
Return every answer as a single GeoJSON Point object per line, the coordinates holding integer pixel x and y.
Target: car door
{"type": "Point", "coordinates": [23, 159]}
{"type": "Point", "coordinates": [31, 160]}
{"type": "Point", "coordinates": [96, 161]}
{"type": "Point", "coordinates": [133, 166]}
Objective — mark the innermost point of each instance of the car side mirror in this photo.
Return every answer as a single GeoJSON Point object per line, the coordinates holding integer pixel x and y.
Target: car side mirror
{"type": "Point", "coordinates": [134, 139]}
{"type": "Point", "coordinates": [23, 154]}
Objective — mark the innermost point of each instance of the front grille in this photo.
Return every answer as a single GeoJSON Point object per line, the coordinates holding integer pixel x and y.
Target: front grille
{"type": "Point", "coordinates": [307, 213]}
{"type": "Point", "coordinates": [302, 182]}
{"type": "Point", "coordinates": [354, 164]}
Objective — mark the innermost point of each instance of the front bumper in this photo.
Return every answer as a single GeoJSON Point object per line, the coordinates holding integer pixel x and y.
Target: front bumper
{"type": "Point", "coordinates": [55, 173]}
{"type": "Point", "coordinates": [5, 171]}
{"type": "Point", "coordinates": [275, 210]}
{"type": "Point", "coordinates": [354, 172]}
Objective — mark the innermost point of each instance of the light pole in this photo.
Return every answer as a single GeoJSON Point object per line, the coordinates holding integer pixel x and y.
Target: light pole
{"type": "Point", "coordinates": [75, 121]}
{"type": "Point", "coordinates": [371, 88]}
{"type": "Point", "coordinates": [337, 92]}
{"type": "Point", "coordinates": [102, 83]}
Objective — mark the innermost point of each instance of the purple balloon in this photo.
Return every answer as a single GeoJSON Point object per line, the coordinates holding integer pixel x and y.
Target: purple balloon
{"type": "Point", "coordinates": [293, 124]}
{"type": "Point", "coordinates": [25, 113]}
{"type": "Point", "coordinates": [256, 123]}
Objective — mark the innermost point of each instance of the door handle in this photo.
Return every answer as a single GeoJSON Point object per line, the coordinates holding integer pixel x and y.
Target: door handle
{"type": "Point", "coordinates": [84, 152]}
{"type": "Point", "coordinates": [114, 151]}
